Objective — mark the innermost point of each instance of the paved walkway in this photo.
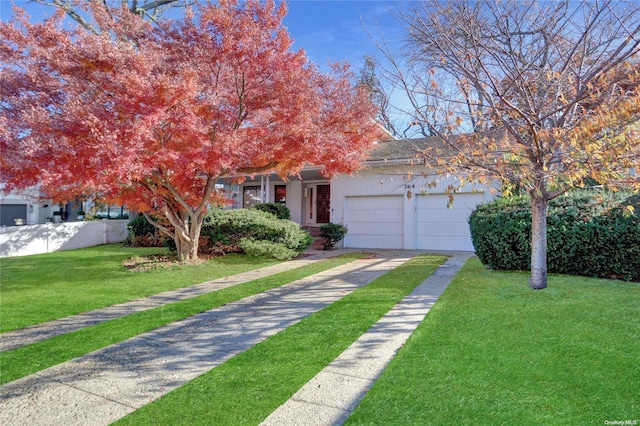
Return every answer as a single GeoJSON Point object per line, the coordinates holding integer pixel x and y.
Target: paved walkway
{"type": "Point", "coordinates": [25, 336]}
{"type": "Point", "coordinates": [105, 385]}
{"type": "Point", "coordinates": [332, 395]}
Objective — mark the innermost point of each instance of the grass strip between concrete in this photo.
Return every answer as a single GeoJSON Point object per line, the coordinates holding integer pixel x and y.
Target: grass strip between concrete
{"type": "Point", "coordinates": [245, 389]}
{"type": "Point", "coordinates": [30, 359]}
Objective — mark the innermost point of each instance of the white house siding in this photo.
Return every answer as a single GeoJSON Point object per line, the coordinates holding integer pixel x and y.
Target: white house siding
{"type": "Point", "coordinates": [294, 197]}
{"type": "Point", "coordinates": [390, 207]}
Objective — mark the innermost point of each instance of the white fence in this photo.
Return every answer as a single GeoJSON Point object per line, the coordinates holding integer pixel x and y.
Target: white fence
{"type": "Point", "coordinates": [36, 239]}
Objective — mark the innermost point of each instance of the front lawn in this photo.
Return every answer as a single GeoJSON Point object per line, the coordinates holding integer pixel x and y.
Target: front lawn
{"type": "Point", "coordinates": [32, 358]}
{"type": "Point", "coordinates": [45, 287]}
{"type": "Point", "coordinates": [492, 351]}
{"type": "Point", "coordinates": [249, 386]}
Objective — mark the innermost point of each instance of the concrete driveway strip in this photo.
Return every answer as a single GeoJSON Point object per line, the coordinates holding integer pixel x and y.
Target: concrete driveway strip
{"type": "Point", "coordinates": [15, 339]}
{"type": "Point", "coordinates": [332, 395]}
{"type": "Point", "coordinates": [103, 386]}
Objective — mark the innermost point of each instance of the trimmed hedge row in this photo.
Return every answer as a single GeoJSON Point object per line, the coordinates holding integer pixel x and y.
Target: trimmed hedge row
{"type": "Point", "coordinates": [589, 232]}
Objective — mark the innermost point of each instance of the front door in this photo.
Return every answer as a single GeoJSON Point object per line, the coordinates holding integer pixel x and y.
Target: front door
{"type": "Point", "coordinates": [323, 204]}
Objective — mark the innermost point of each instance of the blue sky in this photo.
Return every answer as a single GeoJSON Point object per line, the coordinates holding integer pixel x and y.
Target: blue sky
{"type": "Point", "coordinates": [328, 30]}
{"type": "Point", "coordinates": [337, 30]}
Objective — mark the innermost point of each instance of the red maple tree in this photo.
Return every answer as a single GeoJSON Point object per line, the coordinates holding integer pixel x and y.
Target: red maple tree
{"type": "Point", "coordinates": [153, 115]}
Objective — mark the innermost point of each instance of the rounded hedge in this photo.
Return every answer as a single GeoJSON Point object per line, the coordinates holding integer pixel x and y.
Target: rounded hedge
{"type": "Point", "coordinates": [254, 232]}
{"type": "Point", "coordinates": [280, 210]}
{"type": "Point", "coordinates": [251, 231]}
{"type": "Point", "coordinates": [589, 232]}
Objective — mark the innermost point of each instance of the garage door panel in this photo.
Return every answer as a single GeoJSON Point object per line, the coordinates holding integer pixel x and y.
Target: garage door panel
{"type": "Point", "coordinates": [382, 202]}
{"type": "Point", "coordinates": [10, 212]}
{"type": "Point", "coordinates": [373, 241]}
{"type": "Point", "coordinates": [380, 216]}
{"type": "Point", "coordinates": [374, 222]}
{"type": "Point", "coordinates": [442, 228]}
{"type": "Point", "coordinates": [365, 229]}
{"type": "Point", "coordinates": [442, 216]}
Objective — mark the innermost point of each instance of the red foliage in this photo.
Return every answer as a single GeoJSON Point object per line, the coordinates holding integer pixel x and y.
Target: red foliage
{"type": "Point", "coordinates": [152, 115]}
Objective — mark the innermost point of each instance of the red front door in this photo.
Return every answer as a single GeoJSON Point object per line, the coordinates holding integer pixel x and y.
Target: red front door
{"type": "Point", "coordinates": [323, 206]}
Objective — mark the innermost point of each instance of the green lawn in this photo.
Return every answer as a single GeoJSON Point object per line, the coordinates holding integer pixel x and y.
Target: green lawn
{"type": "Point", "coordinates": [492, 351]}
{"type": "Point", "coordinates": [40, 288]}
{"type": "Point", "coordinates": [32, 358]}
{"type": "Point", "coordinates": [245, 389]}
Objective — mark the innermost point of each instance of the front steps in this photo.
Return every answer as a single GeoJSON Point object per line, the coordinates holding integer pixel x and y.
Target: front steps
{"type": "Point", "coordinates": [314, 231]}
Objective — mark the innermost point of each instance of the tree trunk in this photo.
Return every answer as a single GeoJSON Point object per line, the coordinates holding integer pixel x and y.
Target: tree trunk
{"type": "Point", "coordinates": [187, 238]}
{"type": "Point", "coordinates": [186, 248]}
{"type": "Point", "coordinates": [538, 278]}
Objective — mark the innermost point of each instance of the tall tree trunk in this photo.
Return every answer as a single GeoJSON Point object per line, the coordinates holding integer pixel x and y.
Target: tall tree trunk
{"type": "Point", "coordinates": [538, 278]}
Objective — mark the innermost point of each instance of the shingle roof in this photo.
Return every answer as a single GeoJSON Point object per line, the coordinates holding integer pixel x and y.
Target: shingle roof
{"type": "Point", "coordinates": [402, 149]}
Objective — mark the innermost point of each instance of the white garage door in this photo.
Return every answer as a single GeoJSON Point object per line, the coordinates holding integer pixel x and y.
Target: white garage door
{"type": "Point", "coordinates": [375, 222]}
{"type": "Point", "coordinates": [442, 228]}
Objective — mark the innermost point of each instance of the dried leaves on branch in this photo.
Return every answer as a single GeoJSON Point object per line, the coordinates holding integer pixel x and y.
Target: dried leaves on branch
{"type": "Point", "coordinates": [539, 96]}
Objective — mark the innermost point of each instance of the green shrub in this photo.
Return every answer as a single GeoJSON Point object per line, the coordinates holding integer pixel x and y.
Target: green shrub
{"type": "Point", "coordinates": [332, 233]}
{"type": "Point", "coordinates": [144, 234]}
{"type": "Point", "coordinates": [588, 233]}
{"type": "Point", "coordinates": [267, 249]}
{"type": "Point", "coordinates": [280, 210]}
{"type": "Point", "coordinates": [140, 226]}
{"type": "Point", "coordinates": [225, 230]}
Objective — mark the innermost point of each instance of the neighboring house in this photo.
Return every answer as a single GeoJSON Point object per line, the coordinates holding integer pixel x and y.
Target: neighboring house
{"type": "Point", "coordinates": [30, 207]}
{"type": "Point", "coordinates": [395, 202]}
{"type": "Point", "coordinates": [21, 209]}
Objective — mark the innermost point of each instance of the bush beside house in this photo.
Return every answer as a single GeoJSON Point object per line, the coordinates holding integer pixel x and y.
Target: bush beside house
{"type": "Point", "coordinates": [332, 233]}
{"type": "Point", "coordinates": [251, 231]}
{"type": "Point", "coordinates": [590, 233]}
{"type": "Point", "coordinates": [254, 232]}
{"type": "Point", "coordinates": [279, 210]}
{"type": "Point", "coordinates": [144, 234]}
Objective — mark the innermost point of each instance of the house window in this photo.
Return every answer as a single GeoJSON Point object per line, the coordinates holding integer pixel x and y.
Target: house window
{"type": "Point", "coordinates": [251, 195]}
{"type": "Point", "coordinates": [106, 211]}
{"type": "Point", "coordinates": [281, 194]}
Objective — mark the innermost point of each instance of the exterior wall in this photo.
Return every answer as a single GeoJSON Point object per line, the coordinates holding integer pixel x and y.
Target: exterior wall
{"type": "Point", "coordinates": [295, 200]}
{"type": "Point", "coordinates": [301, 196]}
{"type": "Point", "coordinates": [407, 182]}
{"type": "Point", "coordinates": [50, 237]}
{"type": "Point", "coordinates": [40, 210]}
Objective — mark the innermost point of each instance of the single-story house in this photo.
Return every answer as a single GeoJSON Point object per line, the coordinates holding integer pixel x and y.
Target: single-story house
{"type": "Point", "coordinates": [395, 202]}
